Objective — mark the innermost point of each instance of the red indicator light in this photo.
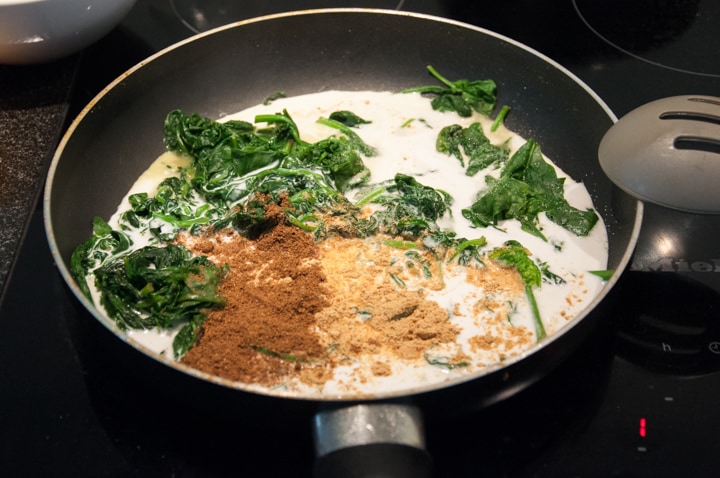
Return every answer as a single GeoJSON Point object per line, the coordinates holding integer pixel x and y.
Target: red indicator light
{"type": "Point", "coordinates": [643, 428]}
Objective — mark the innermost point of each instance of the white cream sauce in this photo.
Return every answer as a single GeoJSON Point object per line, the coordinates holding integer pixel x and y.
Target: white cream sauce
{"type": "Point", "coordinates": [403, 129]}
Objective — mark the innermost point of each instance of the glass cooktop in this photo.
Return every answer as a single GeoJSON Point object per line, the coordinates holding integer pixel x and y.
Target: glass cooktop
{"type": "Point", "coordinates": [636, 400]}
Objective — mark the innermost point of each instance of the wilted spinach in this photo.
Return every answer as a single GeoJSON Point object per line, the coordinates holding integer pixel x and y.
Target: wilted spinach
{"type": "Point", "coordinates": [409, 207]}
{"type": "Point", "coordinates": [527, 186]}
{"type": "Point", "coordinates": [160, 287]}
{"type": "Point", "coordinates": [104, 244]}
{"type": "Point", "coordinates": [513, 254]}
{"type": "Point", "coordinates": [460, 96]}
{"type": "Point", "coordinates": [470, 143]}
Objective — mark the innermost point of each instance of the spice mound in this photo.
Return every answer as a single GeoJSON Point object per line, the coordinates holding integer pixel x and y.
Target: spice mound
{"type": "Point", "coordinates": [297, 310]}
{"type": "Point", "coordinates": [274, 289]}
{"type": "Point", "coordinates": [344, 311]}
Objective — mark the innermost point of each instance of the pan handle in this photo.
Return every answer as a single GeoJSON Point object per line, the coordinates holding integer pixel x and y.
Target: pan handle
{"type": "Point", "coordinates": [371, 440]}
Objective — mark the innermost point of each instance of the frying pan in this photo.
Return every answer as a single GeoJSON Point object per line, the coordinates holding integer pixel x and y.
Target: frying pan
{"type": "Point", "coordinates": [118, 134]}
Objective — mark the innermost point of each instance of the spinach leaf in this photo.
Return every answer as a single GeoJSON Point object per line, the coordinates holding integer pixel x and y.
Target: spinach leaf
{"type": "Point", "coordinates": [527, 186]}
{"type": "Point", "coordinates": [341, 159]}
{"type": "Point", "coordinates": [500, 118]}
{"type": "Point", "coordinates": [472, 143]}
{"type": "Point", "coordinates": [273, 96]}
{"type": "Point", "coordinates": [410, 208]}
{"type": "Point", "coordinates": [529, 165]}
{"type": "Point", "coordinates": [222, 151]}
{"type": "Point", "coordinates": [506, 198]}
{"type": "Point", "coordinates": [352, 136]}
{"type": "Point", "coordinates": [239, 168]}
{"type": "Point", "coordinates": [460, 96]}
{"type": "Point", "coordinates": [430, 203]}
{"type": "Point", "coordinates": [310, 199]}
{"type": "Point", "coordinates": [513, 254]}
{"type": "Point", "coordinates": [605, 274]}
{"type": "Point", "coordinates": [548, 275]}
{"type": "Point", "coordinates": [466, 251]}
{"type": "Point", "coordinates": [444, 362]}
{"type": "Point", "coordinates": [348, 118]}
{"type": "Point", "coordinates": [174, 206]}
{"type": "Point", "coordinates": [104, 244]}
{"type": "Point", "coordinates": [161, 287]}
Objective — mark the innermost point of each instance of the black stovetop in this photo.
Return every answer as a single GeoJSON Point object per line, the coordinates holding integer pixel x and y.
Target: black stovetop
{"type": "Point", "coordinates": [638, 399]}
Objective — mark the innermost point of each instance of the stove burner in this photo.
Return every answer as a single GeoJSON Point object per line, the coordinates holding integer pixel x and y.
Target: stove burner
{"type": "Point", "coordinates": [668, 323]}
{"type": "Point", "coordinates": [204, 15]}
{"type": "Point", "coordinates": [679, 35]}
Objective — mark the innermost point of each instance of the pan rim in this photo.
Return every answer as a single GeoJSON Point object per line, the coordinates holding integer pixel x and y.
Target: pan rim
{"type": "Point", "coordinates": [278, 393]}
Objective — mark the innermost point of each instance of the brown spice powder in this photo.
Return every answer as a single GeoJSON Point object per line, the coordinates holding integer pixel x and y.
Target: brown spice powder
{"type": "Point", "coordinates": [368, 313]}
{"type": "Point", "coordinates": [267, 328]}
{"type": "Point", "coordinates": [298, 309]}
{"type": "Point", "coordinates": [497, 283]}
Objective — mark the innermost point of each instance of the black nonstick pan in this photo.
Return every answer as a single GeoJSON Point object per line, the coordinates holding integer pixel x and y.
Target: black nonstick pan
{"type": "Point", "coordinates": [118, 134]}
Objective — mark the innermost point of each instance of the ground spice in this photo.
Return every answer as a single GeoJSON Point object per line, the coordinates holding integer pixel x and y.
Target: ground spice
{"type": "Point", "coordinates": [298, 310]}
{"type": "Point", "coordinates": [273, 291]}
{"type": "Point", "coordinates": [497, 283]}
{"type": "Point", "coordinates": [368, 313]}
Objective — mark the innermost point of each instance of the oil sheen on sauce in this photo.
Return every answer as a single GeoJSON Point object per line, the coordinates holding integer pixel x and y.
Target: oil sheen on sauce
{"type": "Point", "coordinates": [403, 129]}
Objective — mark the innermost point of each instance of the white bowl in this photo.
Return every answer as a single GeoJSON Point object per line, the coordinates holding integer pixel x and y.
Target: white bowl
{"type": "Point", "coordinates": [36, 31]}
